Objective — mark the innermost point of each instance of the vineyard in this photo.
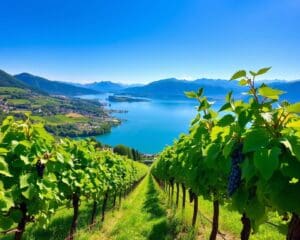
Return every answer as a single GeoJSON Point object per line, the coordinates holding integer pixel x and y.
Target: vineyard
{"type": "Point", "coordinates": [241, 163]}
{"type": "Point", "coordinates": [246, 155]}
{"type": "Point", "coordinates": [39, 174]}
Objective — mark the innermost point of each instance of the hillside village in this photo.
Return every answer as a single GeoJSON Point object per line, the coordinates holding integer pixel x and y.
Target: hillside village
{"type": "Point", "coordinates": [61, 115]}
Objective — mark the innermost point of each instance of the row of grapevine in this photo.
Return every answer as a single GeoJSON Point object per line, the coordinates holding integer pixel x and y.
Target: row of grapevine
{"type": "Point", "coordinates": [39, 173]}
{"type": "Point", "coordinates": [246, 154]}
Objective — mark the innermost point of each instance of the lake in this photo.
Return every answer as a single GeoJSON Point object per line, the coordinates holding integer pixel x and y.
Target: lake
{"type": "Point", "coordinates": [148, 126]}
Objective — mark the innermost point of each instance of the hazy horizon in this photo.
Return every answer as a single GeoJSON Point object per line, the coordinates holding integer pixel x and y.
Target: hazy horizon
{"type": "Point", "coordinates": [145, 83]}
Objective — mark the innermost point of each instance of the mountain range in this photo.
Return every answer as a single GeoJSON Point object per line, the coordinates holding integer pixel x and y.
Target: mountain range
{"type": "Point", "coordinates": [105, 86]}
{"type": "Point", "coordinates": [6, 80]}
{"type": "Point", "coordinates": [52, 87]}
{"type": "Point", "coordinates": [173, 88]}
{"type": "Point", "coordinates": [170, 88]}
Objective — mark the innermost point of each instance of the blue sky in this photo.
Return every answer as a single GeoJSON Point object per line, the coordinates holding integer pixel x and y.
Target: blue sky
{"type": "Point", "coordinates": [146, 40]}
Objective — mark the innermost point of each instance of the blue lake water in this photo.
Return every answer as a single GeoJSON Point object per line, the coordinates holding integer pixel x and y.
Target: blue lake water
{"type": "Point", "coordinates": [148, 126]}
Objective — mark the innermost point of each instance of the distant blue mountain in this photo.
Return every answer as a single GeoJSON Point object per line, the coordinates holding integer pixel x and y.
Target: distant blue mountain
{"type": "Point", "coordinates": [105, 86]}
{"type": "Point", "coordinates": [173, 88]}
{"type": "Point", "coordinates": [170, 88]}
{"type": "Point", "coordinates": [7, 80]}
{"type": "Point", "coordinates": [52, 87]}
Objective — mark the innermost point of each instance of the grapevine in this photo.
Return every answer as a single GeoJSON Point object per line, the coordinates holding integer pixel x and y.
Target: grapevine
{"type": "Point", "coordinates": [39, 174]}
{"type": "Point", "coordinates": [246, 155]}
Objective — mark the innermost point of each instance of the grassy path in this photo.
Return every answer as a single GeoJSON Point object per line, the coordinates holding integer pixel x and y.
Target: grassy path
{"type": "Point", "coordinates": [148, 214]}
{"type": "Point", "coordinates": [143, 215]}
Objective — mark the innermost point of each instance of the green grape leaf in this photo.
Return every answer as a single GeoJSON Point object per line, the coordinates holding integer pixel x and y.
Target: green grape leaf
{"type": "Point", "coordinates": [24, 181]}
{"type": "Point", "coordinates": [200, 92]}
{"type": "Point", "coordinates": [4, 168]}
{"type": "Point", "coordinates": [294, 124]}
{"type": "Point", "coordinates": [212, 152]}
{"type": "Point", "coordinates": [25, 143]}
{"type": "Point", "coordinates": [243, 82]}
{"type": "Point", "coordinates": [3, 151]}
{"type": "Point", "coordinates": [227, 150]}
{"type": "Point", "coordinates": [239, 199]}
{"type": "Point", "coordinates": [248, 170]}
{"type": "Point", "coordinates": [6, 222]}
{"type": "Point", "coordinates": [6, 202]}
{"type": "Point", "coordinates": [228, 97]}
{"type": "Point", "coordinates": [243, 119]}
{"type": "Point", "coordinates": [270, 92]}
{"type": "Point", "coordinates": [287, 144]}
{"type": "Point", "coordinates": [5, 173]}
{"type": "Point", "coordinates": [255, 140]}
{"type": "Point", "coordinates": [238, 74]}
{"type": "Point", "coordinates": [191, 94]}
{"type": "Point", "coordinates": [226, 120]}
{"type": "Point", "coordinates": [217, 131]}
{"type": "Point", "coordinates": [293, 144]}
{"type": "Point", "coordinates": [24, 159]}
{"type": "Point", "coordinates": [263, 71]}
{"type": "Point", "coordinates": [27, 193]}
{"type": "Point", "coordinates": [294, 108]}
{"type": "Point", "coordinates": [225, 107]}
{"type": "Point", "coordinates": [16, 215]}
{"type": "Point", "coordinates": [51, 177]}
{"type": "Point", "coordinates": [267, 161]}
{"type": "Point", "coordinates": [291, 169]}
{"type": "Point", "coordinates": [196, 119]}
{"type": "Point", "coordinates": [256, 212]}
{"type": "Point", "coordinates": [287, 197]}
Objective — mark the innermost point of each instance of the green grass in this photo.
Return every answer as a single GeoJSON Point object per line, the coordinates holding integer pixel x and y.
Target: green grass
{"type": "Point", "coordinates": [59, 225]}
{"type": "Point", "coordinates": [145, 217]}
{"type": "Point", "coordinates": [12, 90]}
{"type": "Point", "coordinates": [229, 222]}
{"type": "Point", "coordinates": [58, 119]}
{"type": "Point", "coordinates": [18, 101]}
{"type": "Point", "coordinates": [40, 101]}
{"type": "Point", "coordinates": [147, 214]}
{"type": "Point", "coordinates": [142, 216]}
{"type": "Point", "coordinates": [58, 228]}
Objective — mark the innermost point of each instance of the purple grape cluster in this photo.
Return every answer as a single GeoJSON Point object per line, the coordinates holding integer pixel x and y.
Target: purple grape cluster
{"type": "Point", "coordinates": [234, 180]}
{"type": "Point", "coordinates": [40, 168]}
